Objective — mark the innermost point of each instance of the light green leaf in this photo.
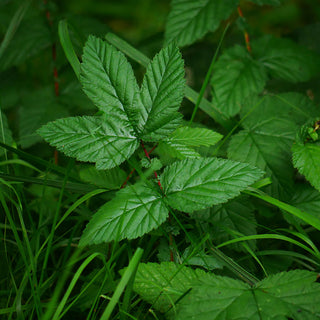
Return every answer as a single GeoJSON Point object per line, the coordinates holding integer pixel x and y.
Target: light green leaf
{"type": "Point", "coordinates": [306, 158]}
{"type": "Point", "coordinates": [190, 20]}
{"type": "Point", "coordinates": [236, 76]}
{"type": "Point", "coordinates": [194, 137]}
{"type": "Point", "coordinates": [134, 211]}
{"type": "Point", "coordinates": [108, 142]}
{"type": "Point", "coordinates": [110, 179]}
{"type": "Point", "coordinates": [5, 132]}
{"type": "Point", "coordinates": [285, 59]}
{"type": "Point", "coordinates": [268, 136]}
{"type": "Point", "coordinates": [195, 184]}
{"type": "Point", "coordinates": [293, 294]}
{"type": "Point", "coordinates": [176, 150]}
{"type": "Point", "coordinates": [162, 93]}
{"type": "Point", "coordinates": [163, 284]}
{"type": "Point", "coordinates": [108, 80]}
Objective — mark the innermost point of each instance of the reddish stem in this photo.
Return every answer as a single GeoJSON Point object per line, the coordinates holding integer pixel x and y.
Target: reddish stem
{"type": "Point", "coordinates": [245, 33]}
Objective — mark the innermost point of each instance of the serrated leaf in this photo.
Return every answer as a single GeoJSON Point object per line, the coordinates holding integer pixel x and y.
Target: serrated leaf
{"type": "Point", "coordinates": [162, 93]}
{"type": "Point", "coordinates": [306, 158]}
{"type": "Point", "coordinates": [285, 59]}
{"type": "Point", "coordinates": [176, 150]}
{"type": "Point", "coordinates": [110, 179]}
{"type": "Point", "coordinates": [195, 184]}
{"type": "Point", "coordinates": [92, 139]}
{"type": "Point", "coordinates": [108, 80]}
{"type": "Point", "coordinates": [194, 137]}
{"type": "Point", "coordinates": [230, 220]}
{"type": "Point", "coordinates": [236, 76]}
{"type": "Point", "coordinates": [293, 294]}
{"type": "Point", "coordinates": [190, 20]}
{"type": "Point", "coordinates": [5, 132]}
{"type": "Point", "coordinates": [163, 284]}
{"type": "Point", "coordinates": [134, 211]}
{"type": "Point", "coordinates": [269, 131]}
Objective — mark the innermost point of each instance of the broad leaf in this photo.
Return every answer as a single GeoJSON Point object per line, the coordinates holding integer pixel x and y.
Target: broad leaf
{"type": "Point", "coordinates": [110, 179]}
{"type": "Point", "coordinates": [294, 294]}
{"type": "Point", "coordinates": [108, 142]}
{"type": "Point", "coordinates": [306, 158]}
{"type": "Point", "coordinates": [163, 284]}
{"type": "Point", "coordinates": [194, 137]}
{"type": "Point", "coordinates": [190, 20]}
{"type": "Point", "coordinates": [285, 59]}
{"type": "Point", "coordinates": [108, 80]}
{"type": "Point", "coordinates": [268, 136]}
{"type": "Point", "coordinates": [236, 76]}
{"type": "Point", "coordinates": [195, 184]}
{"type": "Point", "coordinates": [230, 220]}
{"type": "Point", "coordinates": [176, 150]}
{"type": "Point", "coordinates": [134, 211]}
{"type": "Point", "coordinates": [162, 93]}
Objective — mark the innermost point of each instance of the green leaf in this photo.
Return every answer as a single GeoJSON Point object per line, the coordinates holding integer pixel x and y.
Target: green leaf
{"type": "Point", "coordinates": [269, 131]}
{"type": "Point", "coordinates": [108, 80]}
{"type": "Point", "coordinates": [38, 108]}
{"type": "Point", "coordinates": [306, 158]}
{"type": "Point", "coordinates": [5, 132]}
{"type": "Point", "coordinates": [286, 60]}
{"type": "Point", "coordinates": [195, 184]}
{"type": "Point", "coordinates": [134, 211]}
{"type": "Point", "coordinates": [110, 179]}
{"type": "Point", "coordinates": [162, 284]}
{"type": "Point", "coordinates": [236, 76]}
{"type": "Point", "coordinates": [190, 20]}
{"type": "Point", "coordinates": [294, 294]}
{"type": "Point", "coordinates": [230, 220]}
{"type": "Point", "coordinates": [162, 93]}
{"type": "Point", "coordinates": [194, 137]}
{"type": "Point", "coordinates": [108, 142]}
{"type": "Point", "coordinates": [176, 150]}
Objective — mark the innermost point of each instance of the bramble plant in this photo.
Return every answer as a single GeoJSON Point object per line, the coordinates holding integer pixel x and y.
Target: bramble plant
{"type": "Point", "coordinates": [225, 214]}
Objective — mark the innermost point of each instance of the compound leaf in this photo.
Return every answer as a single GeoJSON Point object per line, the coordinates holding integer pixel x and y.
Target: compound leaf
{"type": "Point", "coordinates": [293, 294]}
{"type": "Point", "coordinates": [108, 80]}
{"type": "Point", "coordinates": [285, 59]}
{"type": "Point", "coordinates": [134, 211]}
{"type": "Point", "coordinates": [198, 183]}
{"type": "Point", "coordinates": [176, 150]}
{"type": "Point", "coordinates": [108, 142]}
{"type": "Point", "coordinates": [190, 20]}
{"type": "Point", "coordinates": [162, 93]}
{"type": "Point", "coordinates": [163, 284]}
{"type": "Point", "coordinates": [236, 76]}
{"type": "Point", "coordinates": [306, 158]}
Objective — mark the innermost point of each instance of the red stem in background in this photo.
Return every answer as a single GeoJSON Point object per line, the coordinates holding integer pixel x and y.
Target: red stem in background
{"type": "Point", "coordinates": [55, 70]}
{"type": "Point", "coordinates": [245, 33]}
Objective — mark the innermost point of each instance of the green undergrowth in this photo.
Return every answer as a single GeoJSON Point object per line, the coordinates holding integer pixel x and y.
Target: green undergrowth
{"type": "Point", "coordinates": [172, 175]}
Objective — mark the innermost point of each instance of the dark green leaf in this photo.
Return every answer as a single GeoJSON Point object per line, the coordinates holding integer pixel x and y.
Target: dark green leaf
{"type": "Point", "coordinates": [199, 183]}
{"type": "Point", "coordinates": [190, 20]}
{"type": "Point", "coordinates": [236, 76]}
{"type": "Point", "coordinates": [5, 132]}
{"type": "Point", "coordinates": [134, 211]}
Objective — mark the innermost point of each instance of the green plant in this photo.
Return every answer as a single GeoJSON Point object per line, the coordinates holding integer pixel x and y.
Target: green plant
{"type": "Point", "coordinates": [222, 195]}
